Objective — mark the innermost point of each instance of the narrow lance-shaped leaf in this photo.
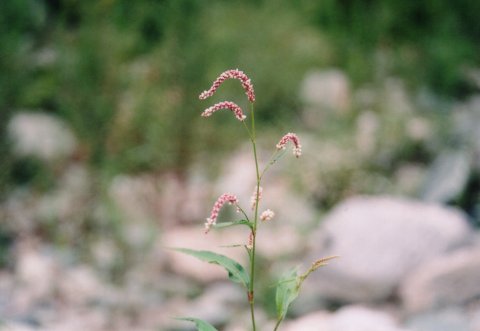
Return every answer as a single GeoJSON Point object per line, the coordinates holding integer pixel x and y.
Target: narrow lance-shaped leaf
{"type": "Point", "coordinates": [201, 325]}
{"type": "Point", "coordinates": [289, 285]}
{"type": "Point", "coordinates": [235, 270]}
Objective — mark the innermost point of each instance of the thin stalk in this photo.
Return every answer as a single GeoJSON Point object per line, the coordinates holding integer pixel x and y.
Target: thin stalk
{"type": "Point", "coordinates": [273, 159]}
{"type": "Point", "coordinates": [278, 324]}
{"type": "Point", "coordinates": [243, 212]}
{"type": "Point", "coordinates": [251, 296]}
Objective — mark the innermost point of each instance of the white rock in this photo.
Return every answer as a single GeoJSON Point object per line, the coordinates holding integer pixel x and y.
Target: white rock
{"type": "Point", "coordinates": [41, 135]}
{"type": "Point", "coordinates": [64, 202]}
{"type": "Point", "coordinates": [312, 322]}
{"type": "Point", "coordinates": [445, 281]}
{"type": "Point", "coordinates": [135, 197]}
{"type": "Point", "coordinates": [358, 318]}
{"type": "Point", "coordinates": [441, 320]}
{"type": "Point", "coordinates": [419, 129]}
{"type": "Point", "coordinates": [380, 240]}
{"type": "Point", "coordinates": [80, 285]}
{"type": "Point", "coordinates": [367, 132]}
{"type": "Point", "coordinates": [66, 205]}
{"type": "Point", "coordinates": [79, 320]}
{"type": "Point", "coordinates": [13, 326]}
{"type": "Point", "coordinates": [328, 88]}
{"type": "Point", "coordinates": [36, 273]}
{"type": "Point", "coordinates": [349, 318]}
{"type": "Point", "coordinates": [217, 304]}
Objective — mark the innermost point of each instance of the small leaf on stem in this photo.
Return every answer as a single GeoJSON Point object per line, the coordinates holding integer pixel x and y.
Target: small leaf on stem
{"type": "Point", "coordinates": [289, 286]}
{"type": "Point", "coordinates": [287, 290]}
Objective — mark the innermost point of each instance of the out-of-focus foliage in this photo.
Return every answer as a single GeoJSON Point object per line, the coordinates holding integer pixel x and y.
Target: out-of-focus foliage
{"type": "Point", "coordinates": [431, 42]}
{"type": "Point", "coordinates": [126, 74]}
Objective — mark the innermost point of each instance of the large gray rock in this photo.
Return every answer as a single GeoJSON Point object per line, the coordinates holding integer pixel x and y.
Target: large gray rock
{"type": "Point", "coordinates": [41, 135]}
{"type": "Point", "coordinates": [445, 281]}
{"type": "Point", "coordinates": [380, 240]}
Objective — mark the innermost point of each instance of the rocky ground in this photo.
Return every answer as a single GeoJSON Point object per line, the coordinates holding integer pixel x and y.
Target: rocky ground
{"type": "Point", "coordinates": [408, 262]}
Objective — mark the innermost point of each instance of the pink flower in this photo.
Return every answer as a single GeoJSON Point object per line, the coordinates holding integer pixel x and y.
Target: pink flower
{"type": "Point", "coordinates": [233, 74]}
{"type": "Point", "coordinates": [250, 241]}
{"type": "Point", "coordinates": [212, 220]}
{"type": "Point", "coordinates": [225, 105]}
{"type": "Point", "coordinates": [267, 215]}
{"type": "Point", "coordinates": [297, 148]}
{"type": "Point", "coordinates": [254, 199]}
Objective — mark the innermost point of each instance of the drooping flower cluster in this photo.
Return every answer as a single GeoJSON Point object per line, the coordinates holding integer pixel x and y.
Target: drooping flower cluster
{"type": "Point", "coordinates": [267, 215]}
{"type": "Point", "coordinates": [225, 105]}
{"type": "Point", "coordinates": [297, 148]}
{"type": "Point", "coordinates": [231, 74]}
{"type": "Point", "coordinates": [224, 198]}
{"type": "Point", "coordinates": [254, 199]}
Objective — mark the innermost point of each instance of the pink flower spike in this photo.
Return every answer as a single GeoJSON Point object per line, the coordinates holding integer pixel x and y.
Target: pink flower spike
{"type": "Point", "coordinates": [250, 241]}
{"type": "Point", "coordinates": [254, 198]}
{"type": "Point", "coordinates": [212, 220]}
{"type": "Point", "coordinates": [231, 74]}
{"type": "Point", "coordinates": [297, 148]}
{"type": "Point", "coordinates": [225, 105]}
{"type": "Point", "coordinates": [267, 215]}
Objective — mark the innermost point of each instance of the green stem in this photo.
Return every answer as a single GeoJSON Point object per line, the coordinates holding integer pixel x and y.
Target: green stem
{"type": "Point", "coordinates": [251, 296]}
{"type": "Point", "coordinates": [278, 324]}
{"type": "Point", "coordinates": [273, 159]}
{"type": "Point", "coordinates": [243, 212]}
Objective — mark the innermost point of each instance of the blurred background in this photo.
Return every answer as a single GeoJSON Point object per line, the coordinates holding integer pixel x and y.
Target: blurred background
{"type": "Point", "coordinates": [105, 161]}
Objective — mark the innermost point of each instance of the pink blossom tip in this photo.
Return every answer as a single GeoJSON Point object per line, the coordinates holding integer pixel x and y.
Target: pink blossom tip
{"type": "Point", "coordinates": [231, 74]}
{"type": "Point", "coordinates": [267, 215]}
{"type": "Point", "coordinates": [250, 241]}
{"type": "Point", "coordinates": [297, 148]}
{"type": "Point", "coordinates": [224, 198]}
{"type": "Point", "coordinates": [237, 111]}
{"type": "Point", "coordinates": [256, 197]}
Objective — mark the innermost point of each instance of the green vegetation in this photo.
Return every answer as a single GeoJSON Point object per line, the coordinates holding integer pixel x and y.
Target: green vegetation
{"type": "Point", "coordinates": [124, 73]}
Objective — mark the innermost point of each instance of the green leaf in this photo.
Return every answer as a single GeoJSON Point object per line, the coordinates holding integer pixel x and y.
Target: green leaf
{"type": "Point", "coordinates": [228, 224]}
{"type": "Point", "coordinates": [201, 325]}
{"type": "Point", "coordinates": [289, 286]}
{"type": "Point", "coordinates": [235, 270]}
{"type": "Point", "coordinates": [287, 290]}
